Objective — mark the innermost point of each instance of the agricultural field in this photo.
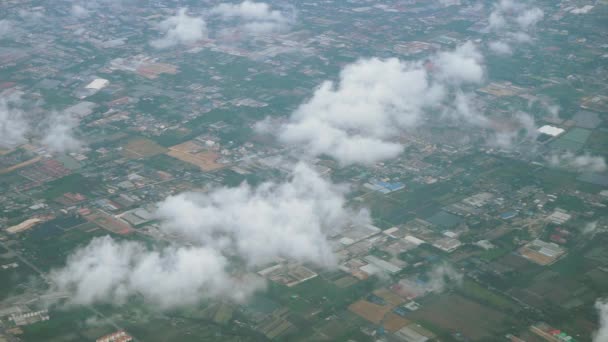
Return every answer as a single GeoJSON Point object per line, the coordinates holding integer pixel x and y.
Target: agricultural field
{"type": "Point", "coordinates": [453, 313]}
{"type": "Point", "coordinates": [195, 154]}
{"type": "Point", "coordinates": [141, 148]}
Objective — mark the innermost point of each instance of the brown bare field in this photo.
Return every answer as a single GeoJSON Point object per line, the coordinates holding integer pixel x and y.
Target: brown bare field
{"type": "Point", "coordinates": [20, 165]}
{"type": "Point", "coordinates": [109, 223]}
{"type": "Point", "coordinates": [391, 298]}
{"type": "Point", "coordinates": [454, 313]}
{"type": "Point", "coordinates": [394, 322]}
{"type": "Point", "coordinates": [195, 154]}
{"type": "Point", "coordinates": [153, 70]}
{"type": "Point", "coordinates": [142, 148]}
{"type": "Point", "coordinates": [346, 281]}
{"type": "Point", "coordinates": [369, 311]}
{"type": "Point", "coordinates": [376, 313]}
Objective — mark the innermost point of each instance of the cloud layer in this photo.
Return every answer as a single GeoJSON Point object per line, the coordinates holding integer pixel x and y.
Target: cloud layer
{"type": "Point", "coordinates": [250, 225]}
{"type": "Point", "coordinates": [356, 119]}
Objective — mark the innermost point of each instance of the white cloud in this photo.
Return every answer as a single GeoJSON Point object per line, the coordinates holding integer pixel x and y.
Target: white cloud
{"type": "Point", "coordinates": [438, 279]}
{"type": "Point", "coordinates": [180, 29]}
{"type": "Point", "coordinates": [579, 163]}
{"type": "Point", "coordinates": [496, 21]}
{"type": "Point", "coordinates": [582, 10]}
{"type": "Point", "coordinates": [30, 15]}
{"type": "Point", "coordinates": [254, 225]}
{"type": "Point", "coordinates": [521, 127]}
{"type": "Point", "coordinates": [288, 220]}
{"type": "Point", "coordinates": [529, 18]}
{"type": "Point", "coordinates": [601, 335]}
{"type": "Point", "coordinates": [465, 109]}
{"type": "Point", "coordinates": [79, 11]}
{"type": "Point", "coordinates": [58, 134]}
{"type": "Point", "coordinates": [450, 2]}
{"type": "Point", "coordinates": [351, 120]}
{"type": "Point", "coordinates": [355, 119]}
{"type": "Point", "coordinates": [108, 271]}
{"type": "Point", "coordinates": [514, 22]}
{"type": "Point", "coordinates": [255, 17]}
{"type": "Point", "coordinates": [462, 65]}
{"type": "Point", "coordinates": [590, 228]}
{"type": "Point", "coordinates": [17, 123]}
{"type": "Point", "coordinates": [13, 122]}
{"type": "Point", "coordinates": [519, 37]}
{"type": "Point", "coordinates": [6, 28]}
{"type": "Point", "coordinates": [500, 48]}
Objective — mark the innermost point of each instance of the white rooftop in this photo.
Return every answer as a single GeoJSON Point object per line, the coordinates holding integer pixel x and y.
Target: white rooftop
{"type": "Point", "coordinates": [98, 83]}
{"type": "Point", "coordinates": [551, 130]}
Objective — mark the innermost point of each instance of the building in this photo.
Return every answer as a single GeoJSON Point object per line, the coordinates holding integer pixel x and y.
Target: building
{"type": "Point", "coordinates": [550, 334]}
{"type": "Point", "coordinates": [559, 216]}
{"type": "Point", "coordinates": [447, 244]}
{"type": "Point", "coordinates": [383, 265]}
{"type": "Point", "coordinates": [541, 252]}
{"type": "Point", "coordinates": [98, 84]}
{"type": "Point", "coordinates": [551, 130]}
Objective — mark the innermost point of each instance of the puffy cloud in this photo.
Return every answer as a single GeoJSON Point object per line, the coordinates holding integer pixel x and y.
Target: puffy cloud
{"type": "Point", "coordinates": [436, 280]}
{"type": "Point", "coordinates": [590, 228]}
{"type": "Point", "coordinates": [6, 28]}
{"type": "Point", "coordinates": [30, 15]}
{"type": "Point", "coordinates": [180, 29]}
{"type": "Point", "coordinates": [500, 48]}
{"type": "Point", "coordinates": [450, 2]}
{"type": "Point", "coordinates": [58, 135]}
{"type": "Point", "coordinates": [253, 225]}
{"type": "Point", "coordinates": [514, 21]}
{"type": "Point", "coordinates": [519, 37]}
{"type": "Point", "coordinates": [582, 10]}
{"type": "Point", "coordinates": [496, 21]}
{"type": "Point", "coordinates": [79, 11]}
{"type": "Point", "coordinates": [354, 119]}
{"type": "Point", "coordinates": [288, 220]}
{"type": "Point", "coordinates": [462, 65]}
{"type": "Point", "coordinates": [522, 128]}
{"type": "Point", "coordinates": [255, 17]}
{"type": "Point", "coordinates": [579, 163]}
{"type": "Point", "coordinates": [350, 121]}
{"type": "Point", "coordinates": [56, 132]}
{"type": "Point", "coordinates": [107, 271]}
{"type": "Point", "coordinates": [529, 17]}
{"type": "Point", "coordinates": [601, 334]}
{"type": "Point", "coordinates": [465, 109]}
{"type": "Point", "coordinates": [13, 122]}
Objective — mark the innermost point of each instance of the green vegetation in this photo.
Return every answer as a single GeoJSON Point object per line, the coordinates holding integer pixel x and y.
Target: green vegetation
{"type": "Point", "coordinates": [473, 290]}
{"type": "Point", "coordinates": [64, 325]}
{"type": "Point", "coordinates": [52, 250]}
{"type": "Point", "coordinates": [75, 182]}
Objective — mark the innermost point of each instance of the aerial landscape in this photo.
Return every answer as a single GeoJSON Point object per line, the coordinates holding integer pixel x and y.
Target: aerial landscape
{"type": "Point", "coordinates": [304, 170]}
